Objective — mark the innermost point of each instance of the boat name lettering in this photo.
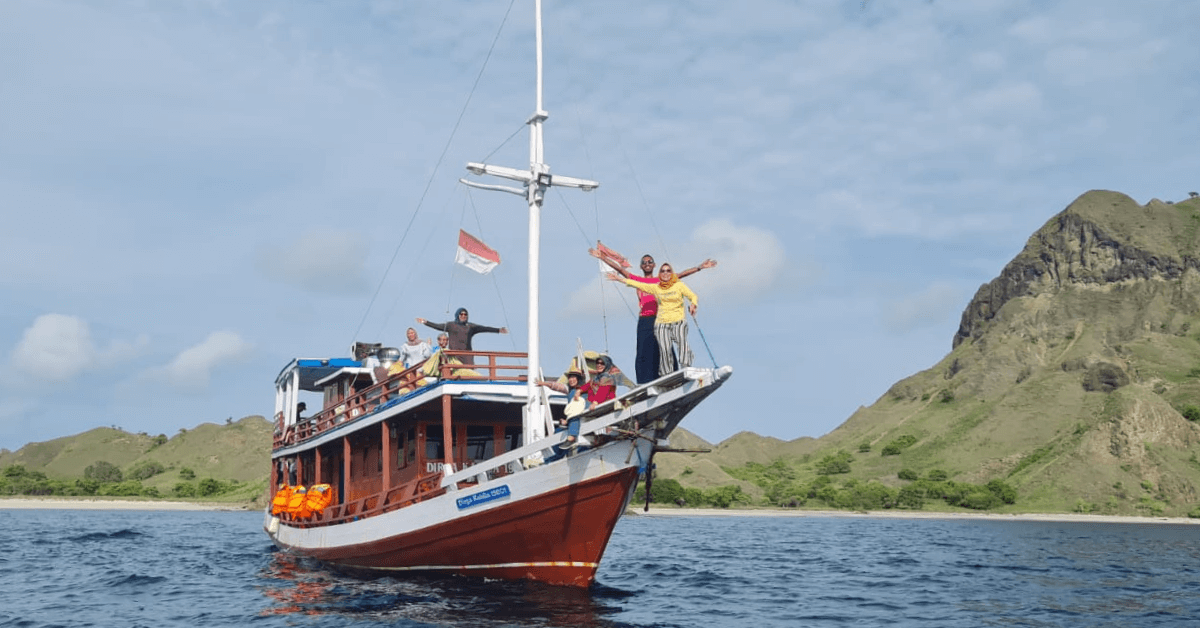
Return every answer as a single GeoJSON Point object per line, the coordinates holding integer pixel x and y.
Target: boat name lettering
{"type": "Point", "coordinates": [483, 496]}
{"type": "Point", "coordinates": [434, 467]}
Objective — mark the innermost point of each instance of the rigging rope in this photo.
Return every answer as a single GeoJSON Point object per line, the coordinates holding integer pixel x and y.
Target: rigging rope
{"type": "Point", "coordinates": [433, 174]}
{"type": "Point", "coordinates": [704, 340]}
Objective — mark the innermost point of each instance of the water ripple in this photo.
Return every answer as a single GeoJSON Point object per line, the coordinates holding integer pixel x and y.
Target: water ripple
{"type": "Point", "coordinates": [153, 569]}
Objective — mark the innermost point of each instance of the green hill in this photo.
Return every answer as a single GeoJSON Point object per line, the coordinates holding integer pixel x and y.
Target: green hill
{"type": "Point", "coordinates": [1068, 380]}
{"type": "Point", "coordinates": [235, 454]}
{"type": "Point", "coordinates": [1072, 384]}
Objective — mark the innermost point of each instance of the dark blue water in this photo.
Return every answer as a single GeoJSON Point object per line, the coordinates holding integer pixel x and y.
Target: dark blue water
{"type": "Point", "coordinates": [125, 568]}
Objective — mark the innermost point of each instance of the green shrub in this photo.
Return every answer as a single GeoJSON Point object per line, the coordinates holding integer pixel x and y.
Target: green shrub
{"type": "Point", "coordinates": [911, 497]}
{"type": "Point", "coordinates": [1003, 490]}
{"type": "Point", "coordinates": [835, 463]}
{"type": "Point", "coordinates": [14, 471]}
{"type": "Point", "coordinates": [146, 470]}
{"type": "Point", "coordinates": [1191, 413]}
{"type": "Point", "coordinates": [977, 498]}
{"type": "Point", "coordinates": [864, 447]}
{"type": "Point", "coordinates": [187, 474]}
{"type": "Point", "coordinates": [209, 487]}
{"type": "Point", "coordinates": [907, 474]}
{"type": "Point", "coordinates": [937, 475]}
{"type": "Point", "coordinates": [184, 489]}
{"type": "Point", "coordinates": [128, 488]}
{"type": "Point", "coordinates": [103, 472]}
{"type": "Point", "coordinates": [899, 444]}
{"type": "Point", "coordinates": [664, 491]}
{"type": "Point", "coordinates": [725, 496]}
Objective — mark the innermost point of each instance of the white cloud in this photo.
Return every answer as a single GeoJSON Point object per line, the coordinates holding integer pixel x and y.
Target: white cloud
{"type": "Point", "coordinates": [750, 261]}
{"type": "Point", "coordinates": [56, 348]}
{"type": "Point", "coordinates": [191, 369]}
{"type": "Point", "coordinates": [931, 306]}
{"type": "Point", "coordinates": [325, 261]}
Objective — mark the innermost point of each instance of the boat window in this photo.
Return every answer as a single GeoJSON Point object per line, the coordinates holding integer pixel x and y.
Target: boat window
{"type": "Point", "coordinates": [410, 447]}
{"type": "Point", "coordinates": [512, 437]}
{"type": "Point", "coordinates": [433, 446]}
{"type": "Point", "coordinates": [480, 442]}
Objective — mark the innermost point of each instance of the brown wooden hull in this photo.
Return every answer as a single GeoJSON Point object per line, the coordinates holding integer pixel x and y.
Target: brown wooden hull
{"type": "Point", "coordinates": [557, 537]}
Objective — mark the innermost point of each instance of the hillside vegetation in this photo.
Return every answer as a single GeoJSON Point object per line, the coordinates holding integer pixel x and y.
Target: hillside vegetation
{"type": "Point", "coordinates": [210, 462]}
{"type": "Point", "coordinates": [1074, 379]}
{"type": "Point", "coordinates": [1072, 385]}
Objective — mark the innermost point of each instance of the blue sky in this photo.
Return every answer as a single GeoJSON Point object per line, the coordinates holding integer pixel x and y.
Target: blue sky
{"type": "Point", "coordinates": [195, 192]}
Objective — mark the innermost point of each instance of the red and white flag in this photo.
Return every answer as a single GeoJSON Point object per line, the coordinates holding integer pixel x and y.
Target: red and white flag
{"type": "Point", "coordinates": [612, 256]}
{"type": "Point", "coordinates": [474, 254]}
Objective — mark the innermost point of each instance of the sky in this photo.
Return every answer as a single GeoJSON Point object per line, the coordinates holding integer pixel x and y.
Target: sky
{"type": "Point", "coordinates": [195, 192]}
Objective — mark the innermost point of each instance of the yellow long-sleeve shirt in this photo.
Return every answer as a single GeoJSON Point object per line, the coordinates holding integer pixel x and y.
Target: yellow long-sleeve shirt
{"type": "Point", "coordinates": [670, 301]}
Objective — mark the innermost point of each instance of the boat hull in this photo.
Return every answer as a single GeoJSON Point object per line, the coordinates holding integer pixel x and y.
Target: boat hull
{"type": "Point", "coordinates": [549, 522]}
{"type": "Point", "coordinates": [555, 535]}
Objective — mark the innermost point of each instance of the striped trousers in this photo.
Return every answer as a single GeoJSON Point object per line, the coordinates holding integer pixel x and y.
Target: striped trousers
{"type": "Point", "coordinates": [670, 336]}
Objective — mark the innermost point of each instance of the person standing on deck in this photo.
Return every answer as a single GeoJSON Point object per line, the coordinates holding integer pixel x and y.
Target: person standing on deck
{"type": "Point", "coordinates": [646, 364]}
{"type": "Point", "coordinates": [460, 331]}
{"type": "Point", "coordinates": [670, 324]}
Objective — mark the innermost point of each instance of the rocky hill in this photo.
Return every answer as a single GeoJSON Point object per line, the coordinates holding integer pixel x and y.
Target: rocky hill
{"type": "Point", "coordinates": [1069, 376]}
{"type": "Point", "coordinates": [1074, 377]}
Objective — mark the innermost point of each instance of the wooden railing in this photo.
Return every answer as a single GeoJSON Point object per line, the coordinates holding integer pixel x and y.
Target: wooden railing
{"type": "Point", "coordinates": [501, 366]}
{"type": "Point", "coordinates": [407, 494]}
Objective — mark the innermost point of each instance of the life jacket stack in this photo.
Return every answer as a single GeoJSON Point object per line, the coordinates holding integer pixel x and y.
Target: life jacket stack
{"type": "Point", "coordinates": [300, 502]}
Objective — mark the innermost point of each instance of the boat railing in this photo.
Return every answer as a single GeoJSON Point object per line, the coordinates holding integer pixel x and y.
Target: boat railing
{"type": "Point", "coordinates": [603, 416]}
{"type": "Point", "coordinates": [615, 419]}
{"type": "Point", "coordinates": [501, 366]}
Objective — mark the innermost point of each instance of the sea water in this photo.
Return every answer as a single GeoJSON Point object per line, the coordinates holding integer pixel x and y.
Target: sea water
{"type": "Point", "coordinates": [131, 568]}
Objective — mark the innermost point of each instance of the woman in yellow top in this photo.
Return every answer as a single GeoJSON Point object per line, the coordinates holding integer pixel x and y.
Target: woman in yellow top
{"type": "Point", "coordinates": [670, 327]}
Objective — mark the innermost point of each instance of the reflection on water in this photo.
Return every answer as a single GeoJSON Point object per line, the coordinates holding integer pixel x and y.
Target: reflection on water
{"type": "Point", "coordinates": [300, 586]}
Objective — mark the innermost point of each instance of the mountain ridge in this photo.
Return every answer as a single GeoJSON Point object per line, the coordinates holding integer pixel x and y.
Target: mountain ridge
{"type": "Point", "coordinates": [1068, 380]}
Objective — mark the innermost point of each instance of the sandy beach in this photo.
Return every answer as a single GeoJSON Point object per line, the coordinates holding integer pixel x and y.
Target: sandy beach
{"type": "Point", "coordinates": [30, 503]}
{"type": "Point", "coordinates": [906, 514]}
{"type": "Point", "coordinates": [53, 503]}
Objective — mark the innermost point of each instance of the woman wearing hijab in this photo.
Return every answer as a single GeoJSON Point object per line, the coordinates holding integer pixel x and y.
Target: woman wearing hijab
{"type": "Point", "coordinates": [461, 331]}
{"type": "Point", "coordinates": [414, 351]}
{"type": "Point", "coordinates": [571, 419]}
{"type": "Point", "coordinates": [603, 385]}
{"type": "Point", "coordinates": [670, 326]}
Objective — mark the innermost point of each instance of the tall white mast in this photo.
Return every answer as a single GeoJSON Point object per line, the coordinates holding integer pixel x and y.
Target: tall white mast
{"type": "Point", "coordinates": [536, 180]}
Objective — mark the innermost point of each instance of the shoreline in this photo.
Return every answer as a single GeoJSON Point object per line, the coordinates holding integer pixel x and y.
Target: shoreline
{"type": "Point", "coordinates": [77, 503]}
{"type": "Point", "coordinates": [911, 514]}
{"type": "Point", "coordinates": [55, 503]}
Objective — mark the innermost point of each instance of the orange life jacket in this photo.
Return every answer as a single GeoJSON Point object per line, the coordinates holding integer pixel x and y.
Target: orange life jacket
{"type": "Point", "coordinates": [296, 501]}
{"type": "Point", "coordinates": [319, 496]}
{"type": "Point", "coordinates": [280, 502]}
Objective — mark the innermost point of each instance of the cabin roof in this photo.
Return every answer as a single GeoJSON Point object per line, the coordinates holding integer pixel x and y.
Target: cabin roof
{"type": "Point", "coordinates": [313, 370]}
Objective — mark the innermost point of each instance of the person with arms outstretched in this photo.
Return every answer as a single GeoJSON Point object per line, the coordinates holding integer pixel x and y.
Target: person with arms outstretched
{"type": "Point", "coordinates": [670, 324]}
{"type": "Point", "coordinates": [646, 363]}
{"type": "Point", "coordinates": [461, 330]}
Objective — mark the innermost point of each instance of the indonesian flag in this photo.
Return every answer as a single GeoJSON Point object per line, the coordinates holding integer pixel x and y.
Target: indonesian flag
{"type": "Point", "coordinates": [474, 254]}
{"type": "Point", "coordinates": [610, 255]}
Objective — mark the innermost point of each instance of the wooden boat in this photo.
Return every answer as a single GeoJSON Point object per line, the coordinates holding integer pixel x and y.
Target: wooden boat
{"type": "Point", "coordinates": [453, 468]}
